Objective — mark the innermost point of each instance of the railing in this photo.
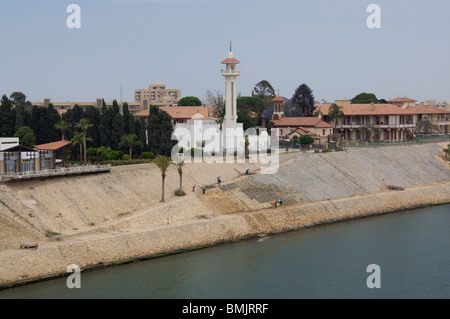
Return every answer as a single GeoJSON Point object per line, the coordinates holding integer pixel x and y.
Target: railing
{"type": "Point", "coordinates": [57, 171]}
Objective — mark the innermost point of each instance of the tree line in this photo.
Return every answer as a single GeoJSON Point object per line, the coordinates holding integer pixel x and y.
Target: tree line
{"type": "Point", "coordinates": [107, 130]}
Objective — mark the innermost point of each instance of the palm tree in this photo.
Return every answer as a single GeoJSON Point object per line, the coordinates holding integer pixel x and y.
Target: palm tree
{"type": "Point", "coordinates": [130, 141]}
{"type": "Point", "coordinates": [179, 166]}
{"type": "Point", "coordinates": [335, 112]}
{"type": "Point", "coordinates": [163, 162]}
{"type": "Point", "coordinates": [63, 126]}
{"type": "Point", "coordinates": [84, 125]}
{"type": "Point", "coordinates": [78, 140]}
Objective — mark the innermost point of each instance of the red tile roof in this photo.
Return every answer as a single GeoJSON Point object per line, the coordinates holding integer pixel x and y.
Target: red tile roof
{"type": "Point", "coordinates": [366, 109]}
{"type": "Point", "coordinates": [230, 60]}
{"type": "Point", "coordinates": [278, 98]}
{"type": "Point", "coordinates": [402, 99]}
{"type": "Point", "coordinates": [426, 109]}
{"type": "Point", "coordinates": [52, 146]}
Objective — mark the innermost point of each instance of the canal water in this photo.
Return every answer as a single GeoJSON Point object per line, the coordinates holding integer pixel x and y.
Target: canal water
{"type": "Point", "coordinates": [411, 248]}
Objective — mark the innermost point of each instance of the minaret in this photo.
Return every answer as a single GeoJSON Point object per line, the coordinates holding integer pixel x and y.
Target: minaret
{"type": "Point", "coordinates": [230, 73]}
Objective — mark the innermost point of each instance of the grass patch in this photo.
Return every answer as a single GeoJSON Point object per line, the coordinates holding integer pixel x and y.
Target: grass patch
{"type": "Point", "coordinates": [123, 214]}
{"type": "Point", "coordinates": [50, 234]}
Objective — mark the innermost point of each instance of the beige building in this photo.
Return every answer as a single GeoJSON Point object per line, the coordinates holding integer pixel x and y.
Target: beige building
{"type": "Point", "coordinates": [158, 95]}
{"type": "Point", "coordinates": [62, 107]}
{"type": "Point", "coordinates": [393, 122]}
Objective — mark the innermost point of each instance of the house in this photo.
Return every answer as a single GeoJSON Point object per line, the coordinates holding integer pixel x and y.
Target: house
{"type": "Point", "coordinates": [181, 114]}
{"type": "Point", "coordinates": [294, 127]}
{"type": "Point", "coordinates": [16, 158]}
{"type": "Point", "coordinates": [402, 102]}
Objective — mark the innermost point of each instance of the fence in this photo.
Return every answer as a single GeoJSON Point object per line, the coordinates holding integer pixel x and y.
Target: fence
{"type": "Point", "coordinates": [54, 172]}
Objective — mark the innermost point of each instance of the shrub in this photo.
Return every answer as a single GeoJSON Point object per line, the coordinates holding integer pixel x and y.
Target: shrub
{"type": "Point", "coordinates": [179, 192]}
{"type": "Point", "coordinates": [125, 157]}
{"type": "Point", "coordinates": [326, 150]}
{"type": "Point", "coordinates": [147, 155]}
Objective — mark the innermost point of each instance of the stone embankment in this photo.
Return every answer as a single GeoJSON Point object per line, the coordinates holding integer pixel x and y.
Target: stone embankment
{"type": "Point", "coordinates": [109, 218]}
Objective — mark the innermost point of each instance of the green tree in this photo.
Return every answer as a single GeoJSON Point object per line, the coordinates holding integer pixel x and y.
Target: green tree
{"type": "Point", "coordinates": [26, 136]}
{"type": "Point", "coordinates": [163, 163]}
{"type": "Point", "coordinates": [365, 98]}
{"type": "Point", "coordinates": [62, 126]}
{"type": "Point", "coordinates": [425, 127]}
{"type": "Point", "coordinates": [306, 140]}
{"type": "Point", "coordinates": [130, 141]}
{"type": "Point", "coordinates": [190, 101]}
{"type": "Point", "coordinates": [217, 100]}
{"type": "Point", "coordinates": [7, 118]}
{"type": "Point", "coordinates": [159, 130]}
{"type": "Point", "coordinates": [78, 140]}
{"type": "Point", "coordinates": [84, 125]}
{"type": "Point", "coordinates": [334, 113]}
{"type": "Point", "coordinates": [265, 91]}
{"type": "Point", "coordinates": [303, 100]}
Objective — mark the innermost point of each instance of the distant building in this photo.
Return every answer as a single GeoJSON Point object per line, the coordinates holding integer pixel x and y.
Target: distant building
{"type": "Point", "coordinates": [158, 95]}
{"type": "Point", "coordinates": [401, 102]}
{"type": "Point", "coordinates": [62, 107]}
{"type": "Point", "coordinates": [294, 127]}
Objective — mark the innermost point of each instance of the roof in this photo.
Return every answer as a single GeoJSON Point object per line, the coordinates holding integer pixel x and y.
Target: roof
{"type": "Point", "coordinates": [301, 121]}
{"type": "Point", "coordinates": [278, 98]}
{"type": "Point", "coordinates": [402, 99]}
{"type": "Point", "coordinates": [383, 109]}
{"type": "Point", "coordinates": [366, 109]}
{"type": "Point", "coordinates": [183, 112]}
{"type": "Point", "coordinates": [302, 131]}
{"type": "Point", "coordinates": [18, 148]}
{"type": "Point", "coordinates": [52, 146]}
{"type": "Point", "coordinates": [426, 109]}
{"type": "Point", "coordinates": [230, 60]}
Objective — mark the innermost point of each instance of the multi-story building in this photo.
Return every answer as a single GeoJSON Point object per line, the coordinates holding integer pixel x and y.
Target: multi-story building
{"type": "Point", "coordinates": [158, 95]}
{"type": "Point", "coordinates": [393, 122]}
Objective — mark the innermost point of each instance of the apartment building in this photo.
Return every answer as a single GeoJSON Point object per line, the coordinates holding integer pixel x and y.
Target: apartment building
{"type": "Point", "coordinates": [394, 122]}
{"type": "Point", "coordinates": [158, 95]}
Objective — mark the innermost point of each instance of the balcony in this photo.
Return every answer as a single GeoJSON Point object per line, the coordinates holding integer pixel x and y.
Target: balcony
{"type": "Point", "coordinates": [231, 72]}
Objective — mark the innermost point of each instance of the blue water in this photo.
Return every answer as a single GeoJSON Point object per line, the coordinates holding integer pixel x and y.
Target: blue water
{"type": "Point", "coordinates": [412, 249]}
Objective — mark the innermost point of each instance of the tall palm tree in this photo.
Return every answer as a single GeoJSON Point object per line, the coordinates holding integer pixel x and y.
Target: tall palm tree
{"type": "Point", "coordinates": [163, 162]}
{"type": "Point", "coordinates": [335, 112]}
{"type": "Point", "coordinates": [78, 140]}
{"type": "Point", "coordinates": [130, 141]}
{"type": "Point", "coordinates": [63, 126]}
{"type": "Point", "coordinates": [179, 166]}
{"type": "Point", "coordinates": [84, 125]}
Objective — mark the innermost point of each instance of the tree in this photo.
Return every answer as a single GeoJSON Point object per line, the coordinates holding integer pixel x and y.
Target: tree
{"type": "Point", "coordinates": [26, 136]}
{"type": "Point", "coordinates": [265, 91]}
{"type": "Point", "coordinates": [365, 98]}
{"type": "Point", "coordinates": [78, 140]}
{"type": "Point", "coordinates": [425, 127]}
{"type": "Point", "coordinates": [179, 164]}
{"type": "Point", "coordinates": [163, 163]}
{"type": "Point", "coordinates": [217, 100]}
{"type": "Point", "coordinates": [130, 141]}
{"type": "Point", "coordinates": [189, 101]}
{"type": "Point", "coordinates": [447, 152]}
{"type": "Point", "coordinates": [62, 126]}
{"type": "Point", "coordinates": [306, 140]}
{"type": "Point", "coordinates": [334, 113]}
{"type": "Point", "coordinates": [84, 125]}
{"type": "Point", "coordinates": [159, 128]}
{"type": "Point", "coordinates": [303, 100]}
{"type": "Point", "coordinates": [7, 118]}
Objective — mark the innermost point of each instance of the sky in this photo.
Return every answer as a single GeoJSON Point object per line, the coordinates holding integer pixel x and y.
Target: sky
{"type": "Point", "coordinates": [325, 44]}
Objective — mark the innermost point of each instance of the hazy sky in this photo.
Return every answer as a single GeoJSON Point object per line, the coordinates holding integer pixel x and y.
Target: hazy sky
{"type": "Point", "coordinates": [323, 43]}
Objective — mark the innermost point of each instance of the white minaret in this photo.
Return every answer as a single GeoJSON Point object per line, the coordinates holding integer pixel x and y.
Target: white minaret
{"type": "Point", "coordinates": [230, 128]}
